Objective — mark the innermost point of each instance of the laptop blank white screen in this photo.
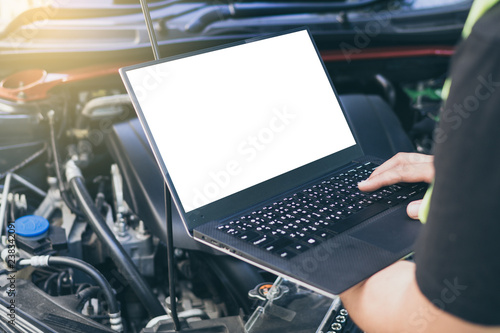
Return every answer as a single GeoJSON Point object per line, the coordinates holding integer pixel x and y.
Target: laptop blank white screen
{"type": "Point", "coordinates": [229, 119]}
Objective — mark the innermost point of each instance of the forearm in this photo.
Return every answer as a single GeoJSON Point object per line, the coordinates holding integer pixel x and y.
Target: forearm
{"type": "Point", "coordinates": [381, 303]}
{"type": "Point", "coordinates": [390, 301]}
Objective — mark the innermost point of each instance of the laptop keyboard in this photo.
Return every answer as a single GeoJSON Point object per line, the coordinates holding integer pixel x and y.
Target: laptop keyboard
{"type": "Point", "coordinates": [304, 219]}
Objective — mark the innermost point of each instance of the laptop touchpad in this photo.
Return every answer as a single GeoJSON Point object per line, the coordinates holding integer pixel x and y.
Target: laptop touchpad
{"type": "Point", "coordinates": [393, 232]}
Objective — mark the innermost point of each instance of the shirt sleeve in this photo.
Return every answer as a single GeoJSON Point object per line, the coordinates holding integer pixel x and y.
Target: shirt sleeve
{"type": "Point", "coordinates": [458, 266]}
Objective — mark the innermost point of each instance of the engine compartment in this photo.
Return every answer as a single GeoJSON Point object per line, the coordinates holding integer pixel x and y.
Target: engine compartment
{"type": "Point", "coordinates": [73, 155]}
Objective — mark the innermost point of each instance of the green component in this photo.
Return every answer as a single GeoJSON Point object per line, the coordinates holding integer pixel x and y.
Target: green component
{"type": "Point", "coordinates": [434, 94]}
{"type": "Point", "coordinates": [433, 117]}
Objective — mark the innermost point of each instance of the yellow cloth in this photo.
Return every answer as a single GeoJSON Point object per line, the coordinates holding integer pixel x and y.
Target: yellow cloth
{"type": "Point", "coordinates": [478, 8]}
{"type": "Point", "coordinates": [423, 212]}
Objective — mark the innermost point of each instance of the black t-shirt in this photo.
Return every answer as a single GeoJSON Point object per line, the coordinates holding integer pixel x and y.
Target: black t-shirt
{"type": "Point", "coordinates": [457, 254]}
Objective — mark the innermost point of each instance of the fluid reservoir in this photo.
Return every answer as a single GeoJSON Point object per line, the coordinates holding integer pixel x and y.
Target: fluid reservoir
{"type": "Point", "coordinates": [35, 235]}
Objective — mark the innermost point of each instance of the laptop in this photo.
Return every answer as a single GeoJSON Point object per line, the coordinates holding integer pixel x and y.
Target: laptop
{"type": "Point", "coordinates": [262, 163]}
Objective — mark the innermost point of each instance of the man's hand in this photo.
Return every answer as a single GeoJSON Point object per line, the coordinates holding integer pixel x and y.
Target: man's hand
{"type": "Point", "coordinates": [402, 168]}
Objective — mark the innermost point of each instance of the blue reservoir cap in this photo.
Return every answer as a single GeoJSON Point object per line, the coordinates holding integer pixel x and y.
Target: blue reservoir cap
{"type": "Point", "coordinates": [31, 225]}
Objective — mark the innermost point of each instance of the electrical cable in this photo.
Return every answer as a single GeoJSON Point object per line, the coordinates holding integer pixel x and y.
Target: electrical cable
{"type": "Point", "coordinates": [47, 282]}
{"type": "Point", "coordinates": [99, 199]}
{"type": "Point", "coordinates": [64, 115]}
{"type": "Point", "coordinates": [59, 285]}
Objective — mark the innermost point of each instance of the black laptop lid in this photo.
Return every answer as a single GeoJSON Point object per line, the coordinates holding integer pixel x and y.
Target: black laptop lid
{"type": "Point", "coordinates": [235, 125]}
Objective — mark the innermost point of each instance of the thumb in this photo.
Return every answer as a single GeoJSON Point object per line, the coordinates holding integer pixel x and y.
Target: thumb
{"type": "Point", "coordinates": [413, 208]}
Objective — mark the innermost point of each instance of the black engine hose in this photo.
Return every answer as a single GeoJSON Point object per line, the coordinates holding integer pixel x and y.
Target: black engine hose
{"type": "Point", "coordinates": [88, 292]}
{"type": "Point", "coordinates": [99, 279]}
{"type": "Point", "coordinates": [116, 251]}
{"type": "Point", "coordinates": [62, 190]}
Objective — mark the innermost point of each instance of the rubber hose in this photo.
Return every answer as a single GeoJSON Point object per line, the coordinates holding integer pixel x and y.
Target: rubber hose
{"type": "Point", "coordinates": [93, 273]}
{"type": "Point", "coordinates": [121, 259]}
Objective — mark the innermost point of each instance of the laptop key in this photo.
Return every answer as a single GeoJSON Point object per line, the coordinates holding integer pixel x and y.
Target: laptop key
{"type": "Point", "coordinates": [355, 208]}
{"type": "Point", "coordinates": [299, 248]}
{"type": "Point", "coordinates": [391, 202]}
{"type": "Point", "coordinates": [278, 245]}
{"type": "Point", "coordinates": [233, 232]}
{"type": "Point", "coordinates": [361, 216]}
{"type": "Point", "coordinates": [324, 234]}
{"type": "Point", "coordinates": [286, 254]}
{"type": "Point", "coordinates": [311, 241]}
{"type": "Point", "coordinates": [263, 241]}
{"type": "Point", "coordinates": [248, 236]}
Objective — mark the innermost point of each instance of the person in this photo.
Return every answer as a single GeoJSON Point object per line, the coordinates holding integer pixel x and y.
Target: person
{"type": "Point", "coordinates": [453, 284]}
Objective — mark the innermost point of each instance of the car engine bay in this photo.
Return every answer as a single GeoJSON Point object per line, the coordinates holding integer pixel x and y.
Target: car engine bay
{"type": "Point", "coordinates": [83, 232]}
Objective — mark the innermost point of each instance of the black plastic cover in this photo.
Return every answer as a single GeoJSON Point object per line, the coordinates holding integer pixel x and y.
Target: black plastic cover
{"type": "Point", "coordinates": [55, 240]}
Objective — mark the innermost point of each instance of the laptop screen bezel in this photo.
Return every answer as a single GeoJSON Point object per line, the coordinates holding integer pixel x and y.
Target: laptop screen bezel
{"type": "Point", "coordinates": [259, 193]}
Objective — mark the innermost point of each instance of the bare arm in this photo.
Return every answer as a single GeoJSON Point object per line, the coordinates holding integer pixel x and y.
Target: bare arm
{"type": "Point", "coordinates": [390, 301]}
